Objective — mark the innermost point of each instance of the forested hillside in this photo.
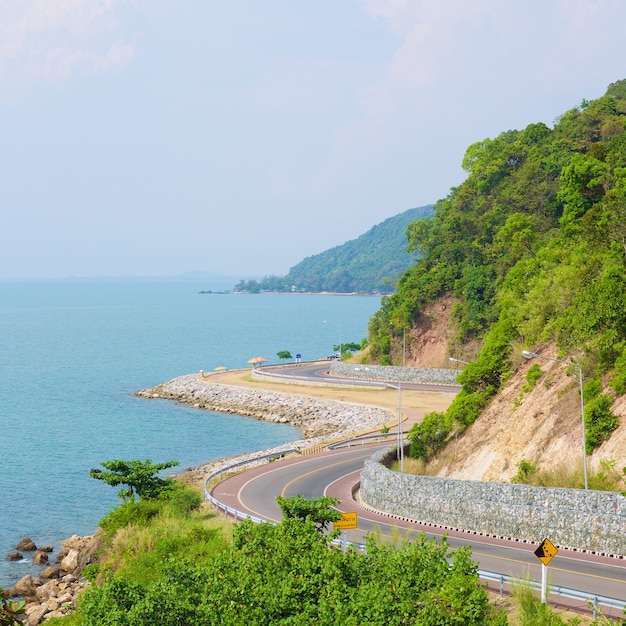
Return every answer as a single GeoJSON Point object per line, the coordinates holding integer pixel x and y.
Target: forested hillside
{"type": "Point", "coordinates": [531, 250]}
{"type": "Point", "coordinates": [369, 264]}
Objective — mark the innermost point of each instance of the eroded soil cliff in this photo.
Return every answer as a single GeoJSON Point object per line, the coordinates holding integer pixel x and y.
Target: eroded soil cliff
{"type": "Point", "coordinates": [542, 426]}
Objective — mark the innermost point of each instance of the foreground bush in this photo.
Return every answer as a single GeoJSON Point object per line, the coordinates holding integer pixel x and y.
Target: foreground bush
{"type": "Point", "coordinates": [282, 574]}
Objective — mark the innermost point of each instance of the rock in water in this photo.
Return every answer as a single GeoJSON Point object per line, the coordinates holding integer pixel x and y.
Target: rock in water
{"type": "Point", "coordinates": [27, 545]}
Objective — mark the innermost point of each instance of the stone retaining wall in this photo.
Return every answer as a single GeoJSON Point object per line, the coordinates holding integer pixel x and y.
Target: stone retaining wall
{"type": "Point", "coordinates": [426, 375]}
{"type": "Point", "coordinates": [313, 416]}
{"type": "Point", "coordinates": [574, 518]}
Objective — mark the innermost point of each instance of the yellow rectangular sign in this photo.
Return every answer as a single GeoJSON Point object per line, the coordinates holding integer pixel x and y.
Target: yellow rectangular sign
{"type": "Point", "coordinates": [347, 521]}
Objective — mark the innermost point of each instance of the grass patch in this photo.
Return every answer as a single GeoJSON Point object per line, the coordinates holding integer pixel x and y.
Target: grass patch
{"type": "Point", "coordinates": [143, 554]}
{"type": "Point", "coordinates": [607, 478]}
{"type": "Point", "coordinates": [530, 611]}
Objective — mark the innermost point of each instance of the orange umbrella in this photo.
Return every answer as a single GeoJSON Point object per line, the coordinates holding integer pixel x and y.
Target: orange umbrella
{"type": "Point", "coordinates": [256, 360]}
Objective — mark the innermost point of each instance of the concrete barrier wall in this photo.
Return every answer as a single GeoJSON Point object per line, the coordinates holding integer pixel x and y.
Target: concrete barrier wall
{"type": "Point", "coordinates": [574, 518]}
{"type": "Point", "coordinates": [393, 373]}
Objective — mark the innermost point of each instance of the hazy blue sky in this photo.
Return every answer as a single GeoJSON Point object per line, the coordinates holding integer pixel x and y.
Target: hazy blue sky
{"type": "Point", "coordinates": [153, 137]}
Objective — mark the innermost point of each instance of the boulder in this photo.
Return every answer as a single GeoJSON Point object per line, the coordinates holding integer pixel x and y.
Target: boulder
{"type": "Point", "coordinates": [15, 556]}
{"type": "Point", "coordinates": [50, 572]}
{"type": "Point", "coordinates": [35, 613]}
{"type": "Point", "coordinates": [40, 558]}
{"type": "Point", "coordinates": [26, 586]}
{"type": "Point", "coordinates": [27, 545]}
{"type": "Point", "coordinates": [66, 598]}
{"type": "Point", "coordinates": [49, 589]}
{"type": "Point", "coordinates": [76, 552]}
{"type": "Point", "coordinates": [70, 561]}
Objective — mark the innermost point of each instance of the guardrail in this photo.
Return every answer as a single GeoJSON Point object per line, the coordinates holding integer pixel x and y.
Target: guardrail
{"type": "Point", "coordinates": [362, 440]}
{"type": "Point", "coordinates": [262, 459]}
{"type": "Point", "coordinates": [592, 600]}
{"type": "Point", "coordinates": [259, 371]}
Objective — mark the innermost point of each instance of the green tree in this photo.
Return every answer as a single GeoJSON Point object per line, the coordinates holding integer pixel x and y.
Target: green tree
{"type": "Point", "coordinates": [349, 346]}
{"type": "Point", "coordinates": [284, 354]}
{"type": "Point", "coordinates": [140, 477]}
{"type": "Point", "coordinates": [320, 510]}
{"type": "Point", "coordinates": [286, 573]}
{"type": "Point", "coordinates": [429, 436]}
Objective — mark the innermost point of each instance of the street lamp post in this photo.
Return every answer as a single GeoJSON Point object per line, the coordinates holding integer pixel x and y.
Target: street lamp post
{"type": "Point", "coordinates": [531, 355]}
{"type": "Point", "coordinates": [340, 342]}
{"type": "Point", "coordinates": [395, 327]}
{"type": "Point", "coordinates": [400, 433]}
{"type": "Point", "coordinates": [458, 361]}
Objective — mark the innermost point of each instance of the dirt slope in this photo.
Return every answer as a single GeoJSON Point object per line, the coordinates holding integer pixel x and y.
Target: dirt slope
{"type": "Point", "coordinates": [542, 426]}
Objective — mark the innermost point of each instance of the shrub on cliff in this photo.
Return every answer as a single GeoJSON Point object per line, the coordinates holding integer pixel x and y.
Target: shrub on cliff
{"type": "Point", "coordinates": [140, 477]}
{"type": "Point", "coordinates": [176, 501]}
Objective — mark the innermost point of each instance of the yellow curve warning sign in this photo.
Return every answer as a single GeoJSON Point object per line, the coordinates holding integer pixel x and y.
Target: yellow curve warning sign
{"type": "Point", "coordinates": [348, 520]}
{"type": "Point", "coordinates": [546, 551]}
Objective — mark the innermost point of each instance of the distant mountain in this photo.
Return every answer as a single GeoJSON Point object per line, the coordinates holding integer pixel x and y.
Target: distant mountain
{"type": "Point", "coordinates": [369, 264]}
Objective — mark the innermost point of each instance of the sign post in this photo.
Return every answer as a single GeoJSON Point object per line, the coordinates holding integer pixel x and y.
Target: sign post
{"type": "Point", "coordinates": [545, 553]}
{"type": "Point", "coordinates": [347, 521]}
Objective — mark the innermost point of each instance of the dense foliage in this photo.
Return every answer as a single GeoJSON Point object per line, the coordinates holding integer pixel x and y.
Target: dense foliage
{"type": "Point", "coordinates": [369, 264]}
{"type": "Point", "coordinates": [180, 570]}
{"type": "Point", "coordinates": [532, 249]}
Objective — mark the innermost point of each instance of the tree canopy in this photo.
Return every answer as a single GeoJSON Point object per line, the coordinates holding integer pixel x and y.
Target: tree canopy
{"type": "Point", "coordinates": [140, 477]}
{"type": "Point", "coordinates": [279, 574]}
{"type": "Point", "coordinates": [372, 263]}
{"type": "Point", "coordinates": [531, 248]}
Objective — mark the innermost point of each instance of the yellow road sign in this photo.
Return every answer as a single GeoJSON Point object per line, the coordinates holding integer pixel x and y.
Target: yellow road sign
{"type": "Point", "coordinates": [348, 520]}
{"type": "Point", "coordinates": [546, 551]}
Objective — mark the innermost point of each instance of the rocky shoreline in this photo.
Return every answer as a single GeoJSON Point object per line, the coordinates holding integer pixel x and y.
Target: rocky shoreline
{"type": "Point", "coordinates": [54, 591]}
{"type": "Point", "coordinates": [316, 418]}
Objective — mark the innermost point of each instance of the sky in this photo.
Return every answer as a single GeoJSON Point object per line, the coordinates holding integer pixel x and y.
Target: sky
{"type": "Point", "coordinates": [154, 138]}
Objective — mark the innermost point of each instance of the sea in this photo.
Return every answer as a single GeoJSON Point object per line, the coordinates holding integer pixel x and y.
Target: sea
{"type": "Point", "coordinates": [73, 351]}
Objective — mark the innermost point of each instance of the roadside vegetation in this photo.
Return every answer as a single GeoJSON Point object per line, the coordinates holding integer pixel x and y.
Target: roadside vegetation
{"type": "Point", "coordinates": [165, 560]}
{"type": "Point", "coordinates": [570, 476]}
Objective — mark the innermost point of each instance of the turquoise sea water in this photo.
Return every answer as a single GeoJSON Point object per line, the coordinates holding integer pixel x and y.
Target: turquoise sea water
{"type": "Point", "coordinates": [72, 353]}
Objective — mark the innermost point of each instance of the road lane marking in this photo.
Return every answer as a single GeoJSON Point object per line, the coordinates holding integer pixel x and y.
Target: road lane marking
{"type": "Point", "coordinates": [320, 469]}
{"type": "Point", "coordinates": [502, 558]}
{"type": "Point", "coordinates": [282, 468]}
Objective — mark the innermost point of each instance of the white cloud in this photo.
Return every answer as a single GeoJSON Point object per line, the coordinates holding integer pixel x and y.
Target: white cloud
{"type": "Point", "coordinates": [51, 40]}
{"type": "Point", "coordinates": [474, 68]}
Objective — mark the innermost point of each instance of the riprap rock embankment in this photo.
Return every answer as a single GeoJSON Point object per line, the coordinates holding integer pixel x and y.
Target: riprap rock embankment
{"type": "Point", "coordinates": [313, 416]}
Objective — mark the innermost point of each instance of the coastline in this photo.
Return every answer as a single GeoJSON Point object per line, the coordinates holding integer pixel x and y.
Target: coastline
{"type": "Point", "coordinates": [295, 293]}
{"type": "Point", "coordinates": [351, 402]}
{"type": "Point", "coordinates": [320, 420]}
{"type": "Point", "coordinates": [322, 414]}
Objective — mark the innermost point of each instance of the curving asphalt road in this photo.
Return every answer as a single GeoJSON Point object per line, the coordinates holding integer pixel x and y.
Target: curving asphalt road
{"type": "Point", "coordinates": [336, 473]}
{"type": "Point", "coordinates": [319, 371]}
